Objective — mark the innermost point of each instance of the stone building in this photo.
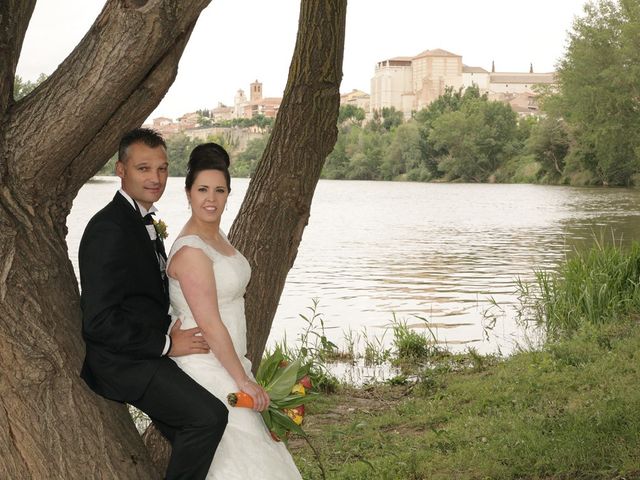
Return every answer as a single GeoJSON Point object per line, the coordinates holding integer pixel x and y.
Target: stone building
{"type": "Point", "coordinates": [357, 98]}
{"type": "Point", "coordinates": [256, 105]}
{"type": "Point", "coordinates": [411, 83]}
{"type": "Point", "coordinates": [222, 113]}
{"type": "Point", "coordinates": [391, 85]}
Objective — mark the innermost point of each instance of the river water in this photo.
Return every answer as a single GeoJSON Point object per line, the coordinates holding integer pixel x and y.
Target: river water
{"type": "Point", "coordinates": [422, 253]}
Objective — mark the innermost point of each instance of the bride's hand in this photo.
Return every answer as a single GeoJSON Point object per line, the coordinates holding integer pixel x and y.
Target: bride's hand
{"type": "Point", "coordinates": [260, 396]}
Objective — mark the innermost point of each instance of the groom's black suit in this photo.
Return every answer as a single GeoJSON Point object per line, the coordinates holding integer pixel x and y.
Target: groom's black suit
{"type": "Point", "coordinates": [125, 303]}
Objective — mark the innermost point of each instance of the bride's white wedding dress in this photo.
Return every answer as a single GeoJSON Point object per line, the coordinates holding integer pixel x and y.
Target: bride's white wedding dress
{"type": "Point", "coordinates": [247, 449]}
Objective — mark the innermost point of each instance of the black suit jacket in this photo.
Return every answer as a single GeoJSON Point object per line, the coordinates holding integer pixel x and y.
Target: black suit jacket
{"type": "Point", "coordinates": [124, 305]}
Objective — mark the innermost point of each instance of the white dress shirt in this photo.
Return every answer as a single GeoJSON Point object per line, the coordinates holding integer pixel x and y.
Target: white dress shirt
{"type": "Point", "coordinates": [152, 235]}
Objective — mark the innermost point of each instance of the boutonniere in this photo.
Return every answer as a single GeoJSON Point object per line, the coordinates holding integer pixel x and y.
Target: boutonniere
{"type": "Point", "coordinates": [161, 228]}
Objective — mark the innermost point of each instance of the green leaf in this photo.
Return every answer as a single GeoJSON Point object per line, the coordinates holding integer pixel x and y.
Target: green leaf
{"type": "Point", "coordinates": [268, 420]}
{"type": "Point", "coordinates": [283, 382]}
{"type": "Point", "coordinates": [295, 400]}
{"type": "Point", "coordinates": [269, 367]}
{"type": "Point", "coordinates": [304, 370]}
{"type": "Point", "coordinates": [280, 431]}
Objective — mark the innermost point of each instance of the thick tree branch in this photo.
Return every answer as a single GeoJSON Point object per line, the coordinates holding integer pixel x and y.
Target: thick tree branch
{"type": "Point", "coordinates": [86, 92]}
{"type": "Point", "coordinates": [14, 20]}
{"type": "Point", "coordinates": [130, 114]}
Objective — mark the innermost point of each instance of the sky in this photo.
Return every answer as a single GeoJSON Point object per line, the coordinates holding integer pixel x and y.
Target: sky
{"type": "Point", "coordinates": [236, 42]}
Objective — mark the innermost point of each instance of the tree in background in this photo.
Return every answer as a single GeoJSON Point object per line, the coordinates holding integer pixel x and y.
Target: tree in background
{"type": "Point", "coordinates": [22, 88]}
{"type": "Point", "coordinates": [599, 95]}
{"type": "Point", "coordinates": [391, 118]}
{"type": "Point", "coordinates": [477, 139]}
{"type": "Point", "coordinates": [179, 147]}
{"type": "Point", "coordinates": [460, 136]}
{"type": "Point", "coordinates": [355, 115]}
{"type": "Point", "coordinates": [260, 121]}
{"type": "Point", "coordinates": [549, 143]}
{"type": "Point", "coordinates": [244, 163]}
{"type": "Point", "coordinates": [450, 101]}
{"type": "Point", "coordinates": [403, 158]}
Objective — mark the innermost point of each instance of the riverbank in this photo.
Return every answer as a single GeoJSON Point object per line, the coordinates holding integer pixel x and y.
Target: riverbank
{"type": "Point", "coordinates": [569, 411]}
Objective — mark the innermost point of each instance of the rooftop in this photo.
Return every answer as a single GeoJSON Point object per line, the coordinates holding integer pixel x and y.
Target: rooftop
{"type": "Point", "coordinates": [437, 52]}
{"type": "Point", "coordinates": [468, 69]}
{"type": "Point", "coordinates": [528, 78]}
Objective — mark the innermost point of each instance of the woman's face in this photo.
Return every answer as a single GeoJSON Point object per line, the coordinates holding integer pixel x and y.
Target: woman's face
{"type": "Point", "coordinates": [208, 195]}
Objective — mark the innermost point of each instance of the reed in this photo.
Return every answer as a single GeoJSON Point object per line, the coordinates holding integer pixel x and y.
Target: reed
{"type": "Point", "coordinates": [412, 346]}
{"type": "Point", "coordinates": [595, 287]}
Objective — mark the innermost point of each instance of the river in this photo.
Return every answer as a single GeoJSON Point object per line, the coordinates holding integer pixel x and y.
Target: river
{"type": "Point", "coordinates": [415, 251]}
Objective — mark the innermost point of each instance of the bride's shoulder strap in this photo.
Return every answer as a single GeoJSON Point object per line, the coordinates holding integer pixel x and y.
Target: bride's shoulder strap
{"type": "Point", "coordinates": [189, 241]}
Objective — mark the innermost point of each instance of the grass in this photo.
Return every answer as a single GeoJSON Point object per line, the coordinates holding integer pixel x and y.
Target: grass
{"type": "Point", "coordinates": [599, 286]}
{"type": "Point", "coordinates": [568, 410]}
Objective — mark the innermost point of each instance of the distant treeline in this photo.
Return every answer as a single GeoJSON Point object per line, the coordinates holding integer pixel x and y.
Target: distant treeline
{"type": "Point", "coordinates": [461, 136]}
{"type": "Point", "coordinates": [179, 147]}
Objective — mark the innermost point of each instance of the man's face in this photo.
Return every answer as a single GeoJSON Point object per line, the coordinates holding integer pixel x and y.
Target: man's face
{"type": "Point", "coordinates": [144, 173]}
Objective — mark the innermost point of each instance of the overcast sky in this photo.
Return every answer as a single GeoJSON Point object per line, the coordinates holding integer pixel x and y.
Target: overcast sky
{"type": "Point", "coordinates": [238, 41]}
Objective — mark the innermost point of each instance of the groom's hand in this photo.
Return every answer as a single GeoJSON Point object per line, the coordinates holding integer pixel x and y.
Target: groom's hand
{"type": "Point", "coordinates": [186, 342]}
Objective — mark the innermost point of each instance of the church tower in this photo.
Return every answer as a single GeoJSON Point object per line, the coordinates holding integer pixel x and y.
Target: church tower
{"type": "Point", "coordinates": [256, 91]}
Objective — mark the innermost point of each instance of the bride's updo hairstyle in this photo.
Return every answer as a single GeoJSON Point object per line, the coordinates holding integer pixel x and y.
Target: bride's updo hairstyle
{"type": "Point", "coordinates": [207, 156]}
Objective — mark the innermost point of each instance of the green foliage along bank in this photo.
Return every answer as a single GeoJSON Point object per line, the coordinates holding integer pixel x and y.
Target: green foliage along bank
{"type": "Point", "coordinates": [179, 147]}
{"type": "Point", "coordinates": [462, 136]}
{"type": "Point", "coordinates": [599, 94]}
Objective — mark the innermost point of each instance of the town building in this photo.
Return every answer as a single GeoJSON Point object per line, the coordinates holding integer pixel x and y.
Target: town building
{"type": "Point", "coordinates": [189, 120]}
{"type": "Point", "coordinates": [256, 105]}
{"type": "Point", "coordinates": [165, 126]}
{"type": "Point", "coordinates": [411, 83]}
{"type": "Point", "coordinates": [357, 98]}
{"type": "Point", "coordinates": [222, 113]}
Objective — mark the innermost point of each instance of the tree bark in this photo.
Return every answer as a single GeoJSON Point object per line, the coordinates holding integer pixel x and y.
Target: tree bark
{"type": "Point", "coordinates": [275, 211]}
{"type": "Point", "coordinates": [14, 20]}
{"type": "Point", "coordinates": [51, 142]}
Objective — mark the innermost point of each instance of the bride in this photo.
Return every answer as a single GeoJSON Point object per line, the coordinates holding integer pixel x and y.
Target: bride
{"type": "Point", "coordinates": [207, 281]}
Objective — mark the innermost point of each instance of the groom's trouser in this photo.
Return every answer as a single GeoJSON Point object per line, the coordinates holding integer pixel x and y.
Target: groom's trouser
{"type": "Point", "coordinates": [189, 416]}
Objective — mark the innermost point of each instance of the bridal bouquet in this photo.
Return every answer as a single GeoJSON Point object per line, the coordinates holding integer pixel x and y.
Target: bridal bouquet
{"type": "Point", "coordinates": [288, 386]}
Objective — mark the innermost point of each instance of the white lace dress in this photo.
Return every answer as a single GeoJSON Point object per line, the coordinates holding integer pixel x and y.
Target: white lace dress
{"type": "Point", "coordinates": [246, 451]}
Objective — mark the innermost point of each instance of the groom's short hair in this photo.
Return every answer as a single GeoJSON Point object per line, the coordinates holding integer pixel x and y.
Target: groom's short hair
{"type": "Point", "coordinates": [148, 136]}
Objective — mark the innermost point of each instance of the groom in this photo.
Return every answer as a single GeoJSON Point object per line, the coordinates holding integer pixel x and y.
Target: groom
{"type": "Point", "coordinates": [125, 300]}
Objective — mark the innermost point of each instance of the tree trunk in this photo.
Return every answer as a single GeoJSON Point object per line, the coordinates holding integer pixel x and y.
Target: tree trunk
{"type": "Point", "coordinates": [276, 208]}
{"type": "Point", "coordinates": [51, 142]}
